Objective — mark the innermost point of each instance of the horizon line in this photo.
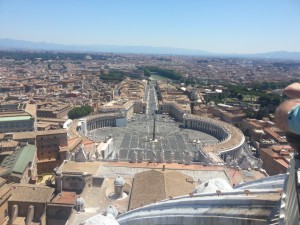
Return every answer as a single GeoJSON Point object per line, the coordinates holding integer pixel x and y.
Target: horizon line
{"type": "Point", "coordinates": [147, 46]}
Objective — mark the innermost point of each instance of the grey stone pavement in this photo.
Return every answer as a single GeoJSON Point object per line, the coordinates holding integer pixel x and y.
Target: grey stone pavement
{"type": "Point", "coordinates": [138, 133]}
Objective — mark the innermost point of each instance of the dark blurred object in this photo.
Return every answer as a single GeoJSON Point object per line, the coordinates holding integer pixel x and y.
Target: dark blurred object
{"type": "Point", "coordinates": [294, 141]}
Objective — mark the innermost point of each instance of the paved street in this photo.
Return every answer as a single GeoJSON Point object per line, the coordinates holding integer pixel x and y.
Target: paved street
{"type": "Point", "coordinates": [152, 99]}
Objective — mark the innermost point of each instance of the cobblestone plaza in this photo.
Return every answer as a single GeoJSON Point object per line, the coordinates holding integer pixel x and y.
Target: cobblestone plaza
{"type": "Point", "coordinates": [172, 141]}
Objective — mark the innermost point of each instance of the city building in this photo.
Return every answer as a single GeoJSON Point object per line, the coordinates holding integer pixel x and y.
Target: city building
{"type": "Point", "coordinates": [59, 209]}
{"type": "Point", "coordinates": [16, 122]}
{"type": "Point", "coordinates": [227, 113]}
{"type": "Point", "coordinates": [276, 158]}
{"type": "Point", "coordinates": [28, 203]}
{"type": "Point", "coordinates": [20, 166]}
{"type": "Point", "coordinates": [52, 148]}
{"type": "Point", "coordinates": [53, 110]}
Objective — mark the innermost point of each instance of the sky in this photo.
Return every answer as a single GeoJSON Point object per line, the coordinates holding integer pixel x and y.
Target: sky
{"type": "Point", "coordinates": [218, 26]}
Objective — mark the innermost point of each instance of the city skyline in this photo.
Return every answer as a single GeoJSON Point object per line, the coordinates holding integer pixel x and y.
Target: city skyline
{"type": "Point", "coordinates": [218, 27]}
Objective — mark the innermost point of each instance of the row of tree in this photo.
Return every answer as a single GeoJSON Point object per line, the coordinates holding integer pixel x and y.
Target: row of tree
{"type": "Point", "coordinates": [119, 75]}
{"type": "Point", "coordinates": [113, 76]}
{"type": "Point", "coordinates": [171, 74]}
{"type": "Point", "coordinates": [268, 101]}
{"type": "Point", "coordinates": [269, 85]}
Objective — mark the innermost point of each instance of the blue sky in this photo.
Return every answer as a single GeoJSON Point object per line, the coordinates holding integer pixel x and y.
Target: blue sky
{"type": "Point", "coordinates": [220, 26]}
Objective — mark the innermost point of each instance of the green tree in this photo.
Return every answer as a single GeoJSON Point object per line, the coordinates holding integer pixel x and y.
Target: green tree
{"type": "Point", "coordinates": [147, 73]}
{"type": "Point", "coordinates": [171, 74]}
{"type": "Point", "coordinates": [262, 112]}
{"type": "Point", "coordinates": [79, 112]}
{"type": "Point", "coordinates": [239, 97]}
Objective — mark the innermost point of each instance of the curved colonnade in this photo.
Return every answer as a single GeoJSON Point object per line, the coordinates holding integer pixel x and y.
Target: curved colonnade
{"type": "Point", "coordinates": [97, 121]}
{"type": "Point", "coordinates": [231, 138]}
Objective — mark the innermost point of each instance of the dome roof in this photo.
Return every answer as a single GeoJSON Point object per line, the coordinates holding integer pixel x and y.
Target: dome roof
{"type": "Point", "coordinates": [213, 185]}
{"type": "Point", "coordinates": [79, 201]}
{"type": "Point", "coordinates": [119, 181]}
{"type": "Point", "coordinates": [101, 220]}
{"type": "Point", "coordinates": [111, 210]}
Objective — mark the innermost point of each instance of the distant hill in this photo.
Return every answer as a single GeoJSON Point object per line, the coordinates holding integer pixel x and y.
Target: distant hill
{"type": "Point", "coordinates": [278, 55]}
{"type": "Point", "coordinates": [11, 44]}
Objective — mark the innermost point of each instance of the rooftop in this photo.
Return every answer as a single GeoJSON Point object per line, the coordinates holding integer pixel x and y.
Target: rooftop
{"type": "Point", "coordinates": [31, 193]}
{"type": "Point", "coordinates": [14, 118]}
{"type": "Point", "coordinates": [26, 156]}
{"type": "Point", "coordinates": [19, 160]}
{"type": "Point", "coordinates": [65, 198]}
{"type": "Point", "coordinates": [151, 186]}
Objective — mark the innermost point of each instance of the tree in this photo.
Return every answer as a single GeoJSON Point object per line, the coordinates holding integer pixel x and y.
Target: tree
{"type": "Point", "coordinates": [250, 114]}
{"type": "Point", "coordinates": [114, 75]}
{"type": "Point", "coordinates": [147, 73]}
{"type": "Point", "coordinates": [79, 112]}
{"type": "Point", "coordinates": [262, 112]}
{"type": "Point", "coordinates": [239, 97]}
{"type": "Point", "coordinates": [171, 74]}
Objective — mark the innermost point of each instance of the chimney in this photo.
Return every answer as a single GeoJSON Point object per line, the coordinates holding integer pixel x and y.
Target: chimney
{"type": "Point", "coordinates": [58, 181]}
{"type": "Point", "coordinates": [14, 214]}
{"type": "Point", "coordinates": [30, 215]}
